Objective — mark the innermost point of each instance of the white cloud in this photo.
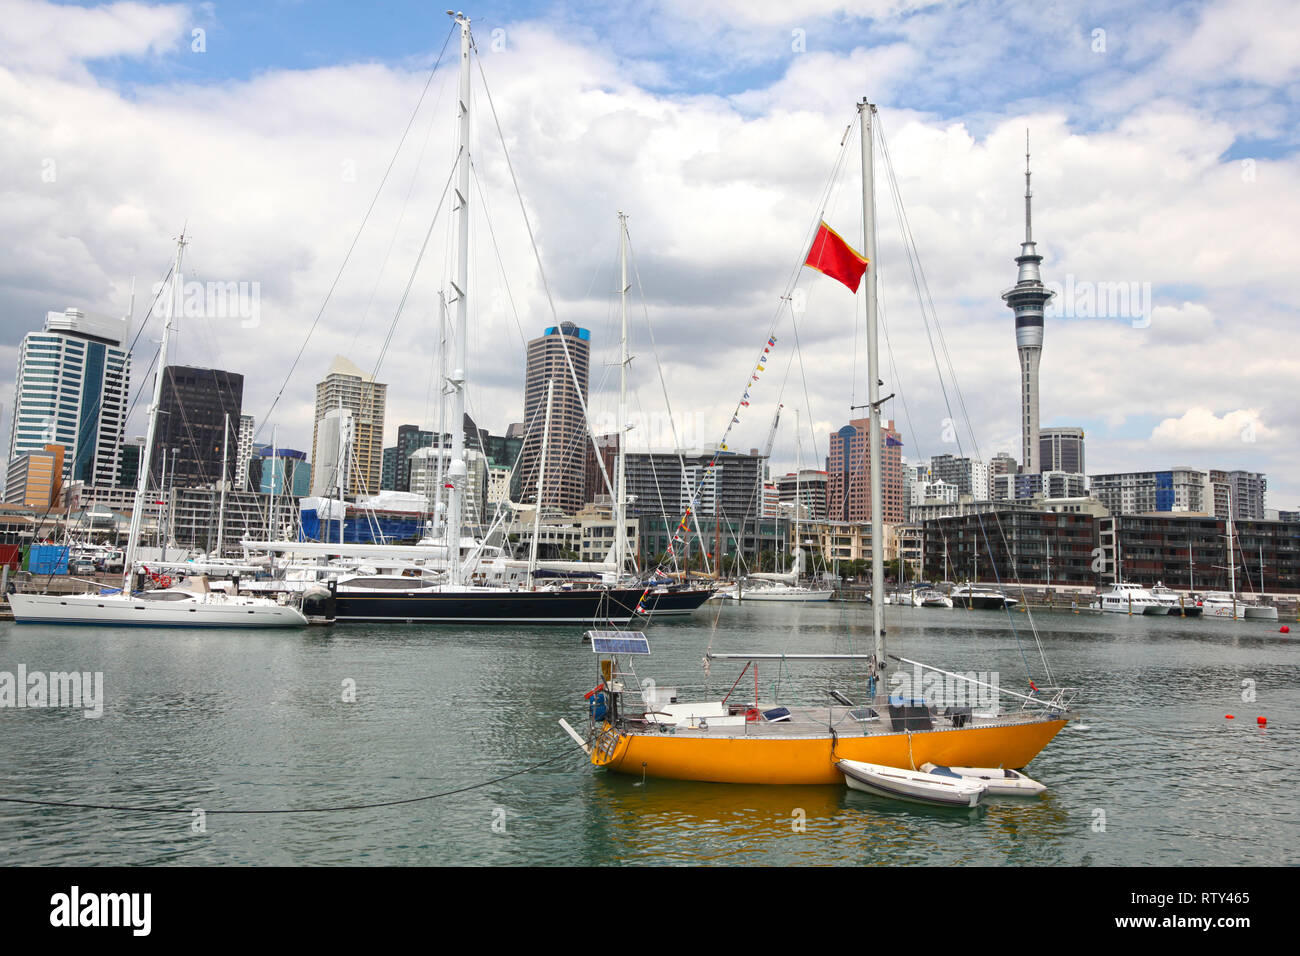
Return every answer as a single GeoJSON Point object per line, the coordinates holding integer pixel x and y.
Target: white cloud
{"type": "Point", "coordinates": [49, 37]}
{"type": "Point", "coordinates": [1200, 429]}
{"type": "Point", "coordinates": [720, 192]}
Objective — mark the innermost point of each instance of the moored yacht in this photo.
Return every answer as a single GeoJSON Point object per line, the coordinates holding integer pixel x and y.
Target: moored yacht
{"type": "Point", "coordinates": [1170, 602]}
{"type": "Point", "coordinates": [1127, 599]}
{"type": "Point", "coordinates": [981, 598]}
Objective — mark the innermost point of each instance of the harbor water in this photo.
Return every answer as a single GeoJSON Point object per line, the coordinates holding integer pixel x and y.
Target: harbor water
{"type": "Point", "coordinates": [1152, 771]}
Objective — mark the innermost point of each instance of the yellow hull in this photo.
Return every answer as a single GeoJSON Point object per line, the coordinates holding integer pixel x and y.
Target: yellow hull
{"type": "Point", "coordinates": [811, 760]}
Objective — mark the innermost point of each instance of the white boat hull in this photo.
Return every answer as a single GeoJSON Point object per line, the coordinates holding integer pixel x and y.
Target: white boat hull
{"type": "Point", "coordinates": [911, 786]}
{"type": "Point", "coordinates": [792, 596]}
{"type": "Point", "coordinates": [111, 610]}
{"type": "Point", "coordinates": [1261, 612]}
{"type": "Point", "coordinates": [1003, 783]}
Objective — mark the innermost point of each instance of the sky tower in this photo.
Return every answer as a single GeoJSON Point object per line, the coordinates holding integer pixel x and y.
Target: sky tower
{"type": "Point", "coordinates": [1028, 298]}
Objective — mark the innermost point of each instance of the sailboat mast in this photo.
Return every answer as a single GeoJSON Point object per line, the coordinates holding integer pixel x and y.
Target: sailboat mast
{"type": "Point", "coordinates": [225, 480]}
{"type": "Point", "coordinates": [866, 113]}
{"type": "Point", "coordinates": [456, 471]}
{"type": "Point", "coordinates": [438, 481]}
{"type": "Point", "coordinates": [620, 481]}
{"type": "Point", "coordinates": [146, 456]}
{"type": "Point", "coordinates": [541, 478]}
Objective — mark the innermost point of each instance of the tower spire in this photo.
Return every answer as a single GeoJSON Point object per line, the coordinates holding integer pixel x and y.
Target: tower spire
{"type": "Point", "coordinates": [1029, 235]}
{"type": "Point", "coordinates": [1028, 299]}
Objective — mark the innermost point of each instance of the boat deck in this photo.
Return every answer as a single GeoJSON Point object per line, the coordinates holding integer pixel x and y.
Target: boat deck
{"type": "Point", "coordinates": [814, 722]}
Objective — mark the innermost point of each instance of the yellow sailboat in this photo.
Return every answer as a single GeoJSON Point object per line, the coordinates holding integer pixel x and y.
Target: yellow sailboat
{"type": "Point", "coordinates": [637, 728]}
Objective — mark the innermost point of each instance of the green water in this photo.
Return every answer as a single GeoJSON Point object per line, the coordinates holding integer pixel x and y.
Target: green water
{"type": "Point", "coordinates": [1151, 772]}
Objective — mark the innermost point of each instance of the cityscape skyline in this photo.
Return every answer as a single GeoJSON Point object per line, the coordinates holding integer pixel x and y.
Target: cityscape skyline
{"type": "Point", "coordinates": [1144, 393]}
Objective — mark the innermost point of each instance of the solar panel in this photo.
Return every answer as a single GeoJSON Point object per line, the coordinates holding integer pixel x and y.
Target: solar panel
{"type": "Point", "coordinates": [619, 642]}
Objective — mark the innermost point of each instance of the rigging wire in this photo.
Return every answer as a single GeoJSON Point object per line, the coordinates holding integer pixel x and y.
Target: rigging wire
{"type": "Point", "coordinates": [923, 293]}
{"type": "Point", "coordinates": [341, 808]}
{"type": "Point", "coordinates": [361, 228]}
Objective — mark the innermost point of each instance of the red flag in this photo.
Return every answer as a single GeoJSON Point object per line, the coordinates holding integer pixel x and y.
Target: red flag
{"type": "Point", "coordinates": [833, 256]}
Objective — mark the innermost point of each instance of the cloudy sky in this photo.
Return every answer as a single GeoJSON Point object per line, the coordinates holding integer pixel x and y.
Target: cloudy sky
{"type": "Point", "coordinates": [1164, 158]}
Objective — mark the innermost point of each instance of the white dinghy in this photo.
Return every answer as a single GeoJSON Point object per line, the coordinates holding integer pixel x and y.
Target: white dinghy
{"type": "Point", "coordinates": [1002, 783]}
{"type": "Point", "coordinates": [910, 785]}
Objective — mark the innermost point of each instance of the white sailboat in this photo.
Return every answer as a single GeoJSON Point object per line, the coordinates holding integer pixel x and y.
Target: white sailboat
{"type": "Point", "coordinates": [188, 603]}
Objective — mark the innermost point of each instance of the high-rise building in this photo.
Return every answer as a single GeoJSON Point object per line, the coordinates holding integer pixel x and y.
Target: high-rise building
{"type": "Point", "coordinates": [848, 492]}
{"type": "Point", "coordinates": [806, 486]}
{"type": "Point", "coordinates": [424, 466]}
{"type": "Point", "coordinates": [662, 483]}
{"type": "Point", "coordinates": [1061, 449]}
{"type": "Point", "coordinates": [1027, 299]}
{"type": "Point", "coordinates": [71, 389]}
{"type": "Point", "coordinates": [330, 467]}
{"type": "Point", "coordinates": [1002, 464]}
{"type": "Point", "coordinates": [564, 476]}
{"type": "Point", "coordinates": [191, 436]}
{"type": "Point", "coordinates": [969, 475]}
{"type": "Point", "coordinates": [35, 478]}
{"type": "Point", "coordinates": [601, 456]}
{"type": "Point", "coordinates": [1180, 489]}
{"type": "Point", "coordinates": [245, 452]}
{"type": "Point", "coordinates": [346, 386]}
{"type": "Point", "coordinates": [1243, 489]}
{"type": "Point", "coordinates": [280, 471]}
{"type": "Point", "coordinates": [128, 462]}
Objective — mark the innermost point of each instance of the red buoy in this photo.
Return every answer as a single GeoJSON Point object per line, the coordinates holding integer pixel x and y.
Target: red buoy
{"type": "Point", "coordinates": [1262, 721]}
{"type": "Point", "coordinates": [1228, 716]}
{"type": "Point", "coordinates": [1284, 629]}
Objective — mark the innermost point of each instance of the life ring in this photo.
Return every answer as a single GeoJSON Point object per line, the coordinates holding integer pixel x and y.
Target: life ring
{"type": "Point", "coordinates": [165, 581]}
{"type": "Point", "coordinates": [752, 714]}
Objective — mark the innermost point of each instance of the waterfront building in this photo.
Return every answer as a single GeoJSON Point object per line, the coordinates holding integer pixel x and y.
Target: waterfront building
{"type": "Point", "coordinates": [424, 472]}
{"type": "Point", "coordinates": [1028, 299]}
{"type": "Point", "coordinates": [808, 487]}
{"type": "Point", "coordinates": [347, 387]}
{"type": "Point", "coordinates": [193, 517]}
{"type": "Point", "coordinates": [1063, 484]}
{"type": "Point", "coordinates": [70, 389]}
{"type": "Point", "coordinates": [1190, 552]}
{"type": "Point", "coordinates": [35, 478]}
{"type": "Point", "coordinates": [1061, 449]}
{"type": "Point", "coordinates": [1244, 489]}
{"type": "Point", "coordinates": [195, 407]}
{"type": "Point", "coordinates": [848, 492]}
{"type": "Point", "coordinates": [564, 475]}
{"type": "Point", "coordinates": [1182, 489]}
{"type": "Point", "coordinates": [661, 483]}
{"type": "Point", "coordinates": [742, 545]}
{"type": "Point", "coordinates": [1029, 546]}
